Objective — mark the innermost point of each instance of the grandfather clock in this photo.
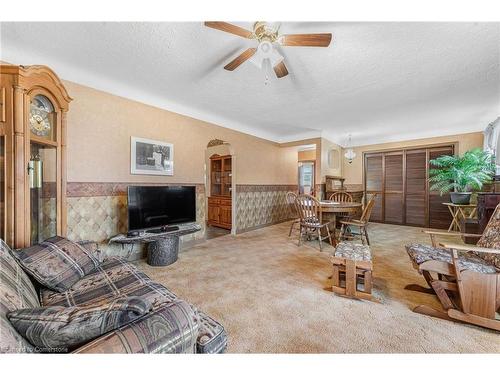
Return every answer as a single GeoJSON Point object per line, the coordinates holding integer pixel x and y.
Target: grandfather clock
{"type": "Point", "coordinates": [33, 107]}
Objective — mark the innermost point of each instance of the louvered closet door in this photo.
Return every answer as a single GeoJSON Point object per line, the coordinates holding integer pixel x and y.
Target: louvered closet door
{"type": "Point", "coordinates": [439, 216]}
{"type": "Point", "coordinates": [374, 177]}
{"type": "Point", "coordinates": [393, 188]}
{"type": "Point", "coordinates": [400, 179]}
{"type": "Point", "coordinates": [416, 188]}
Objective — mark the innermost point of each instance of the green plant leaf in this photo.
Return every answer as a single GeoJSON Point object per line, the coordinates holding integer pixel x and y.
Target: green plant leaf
{"type": "Point", "coordinates": [461, 173]}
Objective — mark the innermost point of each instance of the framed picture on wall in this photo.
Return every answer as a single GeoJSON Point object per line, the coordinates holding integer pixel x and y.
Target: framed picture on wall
{"type": "Point", "coordinates": [152, 157]}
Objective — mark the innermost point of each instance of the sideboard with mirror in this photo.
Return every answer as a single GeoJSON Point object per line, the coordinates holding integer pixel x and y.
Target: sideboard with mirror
{"type": "Point", "coordinates": [33, 107]}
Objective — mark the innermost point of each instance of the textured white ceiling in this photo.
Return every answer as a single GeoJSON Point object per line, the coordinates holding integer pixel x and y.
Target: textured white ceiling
{"type": "Point", "coordinates": [379, 81]}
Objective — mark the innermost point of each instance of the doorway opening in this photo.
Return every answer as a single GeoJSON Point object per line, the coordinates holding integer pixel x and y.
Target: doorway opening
{"type": "Point", "coordinates": [307, 169]}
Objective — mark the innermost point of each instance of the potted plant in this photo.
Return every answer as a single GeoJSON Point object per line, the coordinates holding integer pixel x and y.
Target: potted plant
{"type": "Point", "coordinates": [459, 175]}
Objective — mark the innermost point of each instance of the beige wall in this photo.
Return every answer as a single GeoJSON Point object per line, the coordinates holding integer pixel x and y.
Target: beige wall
{"type": "Point", "coordinates": [100, 126]}
{"type": "Point", "coordinates": [294, 146]}
{"type": "Point", "coordinates": [353, 173]}
{"type": "Point", "coordinates": [326, 169]}
{"type": "Point", "coordinates": [307, 155]}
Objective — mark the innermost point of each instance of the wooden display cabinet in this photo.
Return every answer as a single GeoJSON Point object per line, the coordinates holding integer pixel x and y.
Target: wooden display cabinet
{"type": "Point", "coordinates": [219, 201]}
{"type": "Point", "coordinates": [33, 107]}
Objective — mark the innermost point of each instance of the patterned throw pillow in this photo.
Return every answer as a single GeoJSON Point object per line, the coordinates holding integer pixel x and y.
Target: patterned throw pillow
{"type": "Point", "coordinates": [16, 292]}
{"type": "Point", "coordinates": [491, 239]}
{"type": "Point", "coordinates": [63, 328]}
{"type": "Point", "coordinates": [57, 263]}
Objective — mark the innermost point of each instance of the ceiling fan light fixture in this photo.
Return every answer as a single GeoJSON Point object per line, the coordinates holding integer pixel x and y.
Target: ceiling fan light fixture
{"type": "Point", "coordinates": [267, 34]}
{"type": "Point", "coordinates": [265, 50]}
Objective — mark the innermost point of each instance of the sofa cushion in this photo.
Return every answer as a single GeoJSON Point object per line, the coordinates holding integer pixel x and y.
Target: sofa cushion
{"type": "Point", "coordinates": [114, 277]}
{"type": "Point", "coordinates": [354, 251]}
{"type": "Point", "coordinates": [420, 253]}
{"type": "Point", "coordinates": [118, 277]}
{"type": "Point", "coordinates": [16, 292]}
{"type": "Point", "coordinates": [58, 327]}
{"type": "Point", "coordinates": [170, 329]}
{"type": "Point", "coordinates": [57, 263]}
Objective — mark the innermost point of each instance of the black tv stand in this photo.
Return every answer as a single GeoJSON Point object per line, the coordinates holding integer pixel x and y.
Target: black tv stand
{"type": "Point", "coordinates": [163, 229]}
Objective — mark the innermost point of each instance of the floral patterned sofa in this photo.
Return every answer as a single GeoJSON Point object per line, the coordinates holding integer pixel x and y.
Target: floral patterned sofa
{"type": "Point", "coordinates": [170, 324]}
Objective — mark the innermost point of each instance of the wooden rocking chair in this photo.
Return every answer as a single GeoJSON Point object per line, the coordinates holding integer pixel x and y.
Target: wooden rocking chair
{"type": "Point", "coordinates": [465, 278]}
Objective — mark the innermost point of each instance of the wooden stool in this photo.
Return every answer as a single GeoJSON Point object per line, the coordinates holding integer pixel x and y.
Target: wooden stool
{"type": "Point", "coordinates": [352, 269]}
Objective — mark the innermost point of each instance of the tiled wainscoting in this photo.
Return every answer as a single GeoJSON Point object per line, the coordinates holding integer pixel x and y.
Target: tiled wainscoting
{"type": "Point", "coordinates": [98, 211]}
{"type": "Point", "coordinates": [261, 205]}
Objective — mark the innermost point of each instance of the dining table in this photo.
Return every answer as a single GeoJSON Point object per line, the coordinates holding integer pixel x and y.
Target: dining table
{"type": "Point", "coordinates": [331, 209]}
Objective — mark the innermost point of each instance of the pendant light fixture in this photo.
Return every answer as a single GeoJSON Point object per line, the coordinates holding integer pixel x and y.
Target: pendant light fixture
{"type": "Point", "coordinates": [349, 154]}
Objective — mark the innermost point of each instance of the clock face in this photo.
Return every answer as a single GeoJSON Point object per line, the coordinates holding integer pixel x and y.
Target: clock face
{"type": "Point", "coordinates": [39, 123]}
{"type": "Point", "coordinates": [41, 116]}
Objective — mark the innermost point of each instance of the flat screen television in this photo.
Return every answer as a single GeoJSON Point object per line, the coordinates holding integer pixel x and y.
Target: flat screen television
{"type": "Point", "coordinates": [160, 206]}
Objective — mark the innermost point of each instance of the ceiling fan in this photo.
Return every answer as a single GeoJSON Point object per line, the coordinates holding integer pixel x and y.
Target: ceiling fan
{"type": "Point", "coordinates": [265, 51]}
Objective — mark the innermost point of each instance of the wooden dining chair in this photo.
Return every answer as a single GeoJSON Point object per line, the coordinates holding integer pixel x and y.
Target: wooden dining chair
{"type": "Point", "coordinates": [341, 196]}
{"type": "Point", "coordinates": [361, 224]}
{"type": "Point", "coordinates": [291, 200]}
{"type": "Point", "coordinates": [310, 216]}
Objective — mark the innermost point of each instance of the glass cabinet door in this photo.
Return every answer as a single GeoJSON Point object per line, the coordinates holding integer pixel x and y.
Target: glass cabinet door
{"type": "Point", "coordinates": [42, 169]}
{"type": "Point", "coordinates": [216, 177]}
{"type": "Point", "coordinates": [2, 187]}
{"type": "Point", "coordinates": [43, 192]}
{"type": "Point", "coordinates": [227, 178]}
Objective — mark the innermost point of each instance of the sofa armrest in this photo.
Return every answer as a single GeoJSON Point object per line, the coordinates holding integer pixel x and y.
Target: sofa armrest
{"type": "Point", "coordinates": [93, 247]}
{"type": "Point", "coordinates": [212, 338]}
{"type": "Point", "coordinates": [171, 329]}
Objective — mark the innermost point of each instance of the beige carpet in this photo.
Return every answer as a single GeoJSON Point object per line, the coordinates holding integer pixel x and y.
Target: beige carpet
{"type": "Point", "coordinates": [273, 297]}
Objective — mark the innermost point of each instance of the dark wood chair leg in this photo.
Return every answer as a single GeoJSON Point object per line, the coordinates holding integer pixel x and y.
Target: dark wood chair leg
{"type": "Point", "coordinates": [442, 295]}
{"type": "Point", "coordinates": [319, 238]}
{"type": "Point", "coordinates": [366, 235]}
{"type": "Point", "coordinates": [361, 235]}
{"type": "Point", "coordinates": [418, 288]}
{"type": "Point", "coordinates": [342, 232]}
{"type": "Point", "coordinates": [329, 234]}
{"type": "Point", "coordinates": [428, 278]}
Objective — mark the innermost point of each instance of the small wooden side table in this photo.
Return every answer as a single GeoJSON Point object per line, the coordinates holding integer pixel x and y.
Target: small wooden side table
{"type": "Point", "coordinates": [460, 211]}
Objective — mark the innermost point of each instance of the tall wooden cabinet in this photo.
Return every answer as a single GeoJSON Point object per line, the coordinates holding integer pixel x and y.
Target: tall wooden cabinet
{"type": "Point", "coordinates": [33, 107]}
{"type": "Point", "coordinates": [219, 201]}
{"type": "Point", "coordinates": [400, 179]}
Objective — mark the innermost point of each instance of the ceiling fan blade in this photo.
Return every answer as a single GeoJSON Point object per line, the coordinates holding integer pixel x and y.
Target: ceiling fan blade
{"type": "Point", "coordinates": [240, 59]}
{"type": "Point", "coordinates": [306, 40]}
{"type": "Point", "coordinates": [280, 70]}
{"type": "Point", "coordinates": [228, 28]}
